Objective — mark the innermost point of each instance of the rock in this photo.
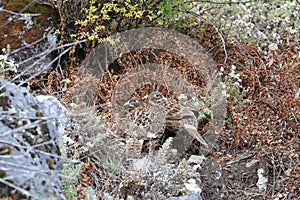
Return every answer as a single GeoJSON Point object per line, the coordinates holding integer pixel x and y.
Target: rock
{"type": "Point", "coordinates": [53, 109]}
{"type": "Point", "coordinates": [191, 196]}
{"type": "Point", "coordinates": [194, 159]}
{"type": "Point", "coordinates": [197, 168]}
{"type": "Point", "coordinates": [262, 180]}
{"type": "Point", "coordinates": [29, 35]}
{"type": "Point", "coordinates": [144, 164]}
{"type": "Point", "coordinates": [194, 191]}
{"type": "Point", "coordinates": [30, 130]}
{"type": "Point", "coordinates": [192, 186]}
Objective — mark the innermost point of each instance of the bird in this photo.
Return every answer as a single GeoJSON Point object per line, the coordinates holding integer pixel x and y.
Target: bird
{"type": "Point", "coordinates": [143, 122]}
{"type": "Point", "coordinates": [132, 103]}
{"type": "Point", "coordinates": [180, 119]}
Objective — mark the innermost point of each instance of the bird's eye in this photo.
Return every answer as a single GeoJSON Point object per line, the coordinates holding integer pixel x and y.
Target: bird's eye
{"type": "Point", "coordinates": [158, 96]}
{"type": "Point", "coordinates": [134, 101]}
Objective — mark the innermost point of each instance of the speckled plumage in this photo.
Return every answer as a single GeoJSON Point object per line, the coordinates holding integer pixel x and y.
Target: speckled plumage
{"type": "Point", "coordinates": [179, 118]}
{"type": "Point", "coordinates": [150, 120]}
{"type": "Point", "coordinates": [144, 122]}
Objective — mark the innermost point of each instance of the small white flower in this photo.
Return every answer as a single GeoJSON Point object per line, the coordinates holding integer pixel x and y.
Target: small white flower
{"type": "Point", "coordinates": [224, 93]}
{"type": "Point", "coordinates": [236, 84]}
{"type": "Point", "coordinates": [297, 94]}
{"type": "Point", "coordinates": [3, 57]}
{"type": "Point", "coordinates": [273, 47]}
{"type": "Point", "coordinates": [293, 31]}
{"type": "Point", "coordinates": [192, 186]}
{"type": "Point", "coordinates": [262, 180]}
{"type": "Point", "coordinates": [182, 97]}
{"type": "Point", "coordinates": [223, 85]}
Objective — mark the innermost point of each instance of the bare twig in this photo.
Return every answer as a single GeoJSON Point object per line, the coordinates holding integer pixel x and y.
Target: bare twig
{"type": "Point", "coordinates": [21, 128]}
{"type": "Point", "coordinates": [224, 2]}
{"type": "Point", "coordinates": [218, 31]}
{"type": "Point", "coordinates": [18, 14]}
{"type": "Point", "coordinates": [17, 188]}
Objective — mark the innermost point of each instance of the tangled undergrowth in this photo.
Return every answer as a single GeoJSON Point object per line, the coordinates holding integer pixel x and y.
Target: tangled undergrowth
{"type": "Point", "coordinates": [262, 90]}
{"type": "Point", "coordinates": [261, 83]}
{"type": "Point", "coordinates": [263, 119]}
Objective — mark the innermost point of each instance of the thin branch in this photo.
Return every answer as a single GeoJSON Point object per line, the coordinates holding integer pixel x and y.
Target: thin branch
{"type": "Point", "coordinates": [14, 167]}
{"type": "Point", "coordinates": [218, 31]}
{"type": "Point", "coordinates": [21, 128]}
{"type": "Point", "coordinates": [38, 151]}
{"type": "Point", "coordinates": [19, 14]}
{"type": "Point", "coordinates": [44, 68]}
{"type": "Point", "coordinates": [17, 188]}
{"type": "Point", "coordinates": [225, 2]}
{"type": "Point", "coordinates": [45, 53]}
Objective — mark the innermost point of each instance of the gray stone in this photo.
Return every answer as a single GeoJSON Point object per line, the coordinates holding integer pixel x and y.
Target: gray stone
{"type": "Point", "coordinates": [30, 130]}
{"type": "Point", "coordinates": [194, 159]}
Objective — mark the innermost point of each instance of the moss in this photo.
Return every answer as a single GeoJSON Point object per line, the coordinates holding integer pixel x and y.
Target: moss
{"type": "Point", "coordinates": [32, 155]}
{"type": "Point", "coordinates": [5, 103]}
{"type": "Point", "coordinates": [5, 150]}
{"type": "Point", "coordinates": [48, 17]}
{"type": "Point", "coordinates": [3, 89]}
{"type": "Point", "coordinates": [2, 174]}
{"type": "Point", "coordinates": [35, 106]}
{"type": "Point", "coordinates": [39, 114]}
{"type": "Point", "coordinates": [24, 122]}
{"type": "Point", "coordinates": [51, 163]}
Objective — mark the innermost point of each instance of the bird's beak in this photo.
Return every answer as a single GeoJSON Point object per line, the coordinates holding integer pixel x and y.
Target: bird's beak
{"type": "Point", "coordinates": [126, 104]}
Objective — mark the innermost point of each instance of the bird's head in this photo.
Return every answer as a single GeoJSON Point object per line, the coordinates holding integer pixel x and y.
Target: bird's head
{"type": "Point", "coordinates": [156, 98]}
{"type": "Point", "coordinates": [133, 103]}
